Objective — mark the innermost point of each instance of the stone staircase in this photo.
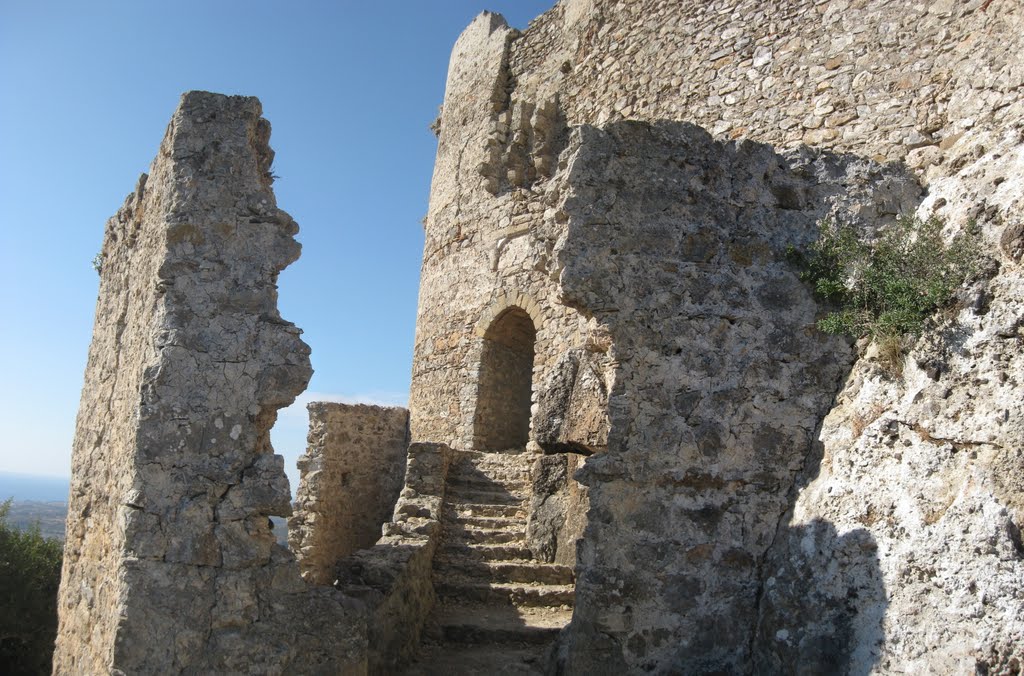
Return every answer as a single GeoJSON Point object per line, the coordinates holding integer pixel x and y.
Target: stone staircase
{"type": "Point", "coordinates": [498, 609]}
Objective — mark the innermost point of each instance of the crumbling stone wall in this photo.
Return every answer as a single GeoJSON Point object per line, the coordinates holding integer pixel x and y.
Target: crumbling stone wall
{"type": "Point", "coordinates": [170, 562]}
{"type": "Point", "coordinates": [393, 578]}
{"type": "Point", "coordinates": [720, 378]}
{"type": "Point", "coordinates": [657, 253]}
{"type": "Point", "coordinates": [483, 257]}
{"type": "Point", "coordinates": [350, 478]}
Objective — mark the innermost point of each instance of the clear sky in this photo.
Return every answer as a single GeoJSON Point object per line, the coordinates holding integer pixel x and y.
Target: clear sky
{"type": "Point", "coordinates": [86, 90]}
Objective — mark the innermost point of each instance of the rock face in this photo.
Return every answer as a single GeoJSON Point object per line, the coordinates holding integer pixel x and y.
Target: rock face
{"type": "Point", "coordinates": [170, 562]}
{"type": "Point", "coordinates": [350, 477]}
{"type": "Point", "coordinates": [922, 473]}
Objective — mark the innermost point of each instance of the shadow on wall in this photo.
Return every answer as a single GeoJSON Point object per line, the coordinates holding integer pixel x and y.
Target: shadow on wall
{"type": "Point", "coordinates": [688, 564]}
{"type": "Point", "coordinates": [822, 603]}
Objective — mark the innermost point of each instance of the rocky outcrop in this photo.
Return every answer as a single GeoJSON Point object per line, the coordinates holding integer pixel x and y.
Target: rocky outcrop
{"type": "Point", "coordinates": [170, 562]}
{"type": "Point", "coordinates": [903, 552]}
{"type": "Point", "coordinates": [558, 508]}
{"type": "Point", "coordinates": [349, 481]}
{"type": "Point", "coordinates": [572, 405]}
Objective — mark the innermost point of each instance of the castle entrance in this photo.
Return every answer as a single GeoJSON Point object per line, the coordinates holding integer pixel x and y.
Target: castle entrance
{"type": "Point", "coordinates": [499, 607]}
{"type": "Point", "coordinates": [502, 419]}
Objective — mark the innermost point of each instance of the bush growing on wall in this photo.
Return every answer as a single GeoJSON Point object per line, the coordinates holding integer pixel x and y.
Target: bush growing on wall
{"type": "Point", "coordinates": [29, 578]}
{"type": "Point", "coordinates": [888, 288]}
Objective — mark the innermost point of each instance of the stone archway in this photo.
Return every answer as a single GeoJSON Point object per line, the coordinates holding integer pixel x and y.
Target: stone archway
{"type": "Point", "coordinates": [502, 418]}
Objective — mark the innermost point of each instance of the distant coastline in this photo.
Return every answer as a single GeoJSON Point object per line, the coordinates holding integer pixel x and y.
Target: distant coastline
{"type": "Point", "coordinates": [35, 487]}
{"type": "Point", "coordinates": [42, 500]}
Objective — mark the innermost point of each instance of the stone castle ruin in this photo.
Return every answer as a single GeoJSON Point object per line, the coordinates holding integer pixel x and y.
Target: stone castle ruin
{"type": "Point", "coordinates": [627, 448]}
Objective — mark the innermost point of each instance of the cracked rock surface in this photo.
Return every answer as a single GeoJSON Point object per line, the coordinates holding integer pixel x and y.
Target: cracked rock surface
{"type": "Point", "coordinates": [923, 473]}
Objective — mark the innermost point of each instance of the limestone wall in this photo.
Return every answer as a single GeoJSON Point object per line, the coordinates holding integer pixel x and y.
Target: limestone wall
{"type": "Point", "coordinates": [564, 188]}
{"type": "Point", "coordinates": [884, 78]}
{"type": "Point", "coordinates": [484, 254]}
{"type": "Point", "coordinates": [881, 78]}
{"type": "Point", "coordinates": [170, 562]}
{"type": "Point", "coordinates": [350, 477]}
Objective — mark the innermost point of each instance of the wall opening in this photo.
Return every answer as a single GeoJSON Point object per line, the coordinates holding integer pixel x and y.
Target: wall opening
{"type": "Point", "coordinates": [502, 419]}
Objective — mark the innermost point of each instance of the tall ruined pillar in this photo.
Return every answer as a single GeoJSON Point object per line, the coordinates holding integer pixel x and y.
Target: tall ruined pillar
{"type": "Point", "coordinates": [170, 563]}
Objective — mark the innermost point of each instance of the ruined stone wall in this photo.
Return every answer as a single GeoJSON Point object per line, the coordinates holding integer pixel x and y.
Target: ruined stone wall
{"type": "Point", "coordinates": [882, 78]}
{"type": "Point", "coordinates": [170, 562]}
{"type": "Point", "coordinates": [887, 80]}
{"type": "Point", "coordinates": [350, 477]}
{"type": "Point", "coordinates": [656, 253]}
{"type": "Point", "coordinates": [677, 243]}
{"type": "Point", "coordinates": [393, 578]}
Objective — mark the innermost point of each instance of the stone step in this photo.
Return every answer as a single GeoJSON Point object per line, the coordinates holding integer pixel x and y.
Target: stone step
{"type": "Point", "coordinates": [517, 469]}
{"type": "Point", "coordinates": [525, 571]}
{"type": "Point", "coordinates": [498, 479]}
{"type": "Point", "coordinates": [483, 483]}
{"type": "Point", "coordinates": [484, 509]}
{"type": "Point", "coordinates": [492, 471]}
{"type": "Point", "coordinates": [464, 659]}
{"type": "Point", "coordinates": [520, 460]}
{"type": "Point", "coordinates": [510, 453]}
{"type": "Point", "coordinates": [475, 534]}
{"type": "Point", "coordinates": [483, 552]}
{"type": "Point", "coordinates": [487, 521]}
{"type": "Point", "coordinates": [457, 493]}
{"type": "Point", "coordinates": [491, 624]}
{"type": "Point", "coordinates": [516, 593]}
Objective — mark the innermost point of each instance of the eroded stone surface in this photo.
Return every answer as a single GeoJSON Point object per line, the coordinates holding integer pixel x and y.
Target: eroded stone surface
{"type": "Point", "coordinates": [923, 473]}
{"type": "Point", "coordinates": [170, 562]}
{"type": "Point", "coordinates": [393, 578]}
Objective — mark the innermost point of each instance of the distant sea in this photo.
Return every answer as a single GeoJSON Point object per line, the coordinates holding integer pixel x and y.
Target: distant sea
{"type": "Point", "coordinates": [29, 490]}
{"type": "Point", "coordinates": [33, 487]}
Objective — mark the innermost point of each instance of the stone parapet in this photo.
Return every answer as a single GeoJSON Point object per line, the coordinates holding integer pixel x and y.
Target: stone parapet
{"type": "Point", "coordinates": [393, 578]}
{"type": "Point", "coordinates": [350, 478]}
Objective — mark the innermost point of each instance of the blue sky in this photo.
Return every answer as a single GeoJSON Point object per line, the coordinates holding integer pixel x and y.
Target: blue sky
{"type": "Point", "coordinates": [86, 90]}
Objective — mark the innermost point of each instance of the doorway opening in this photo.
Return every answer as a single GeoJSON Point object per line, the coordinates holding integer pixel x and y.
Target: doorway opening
{"type": "Point", "coordinates": [502, 419]}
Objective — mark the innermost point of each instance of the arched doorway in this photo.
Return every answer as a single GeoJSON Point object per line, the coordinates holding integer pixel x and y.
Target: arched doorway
{"type": "Point", "coordinates": [502, 419]}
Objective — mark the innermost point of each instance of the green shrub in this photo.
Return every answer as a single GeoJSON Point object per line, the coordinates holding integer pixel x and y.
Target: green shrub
{"type": "Point", "coordinates": [29, 578]}
{"type": "Point", "coordinates": [888, 288]}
